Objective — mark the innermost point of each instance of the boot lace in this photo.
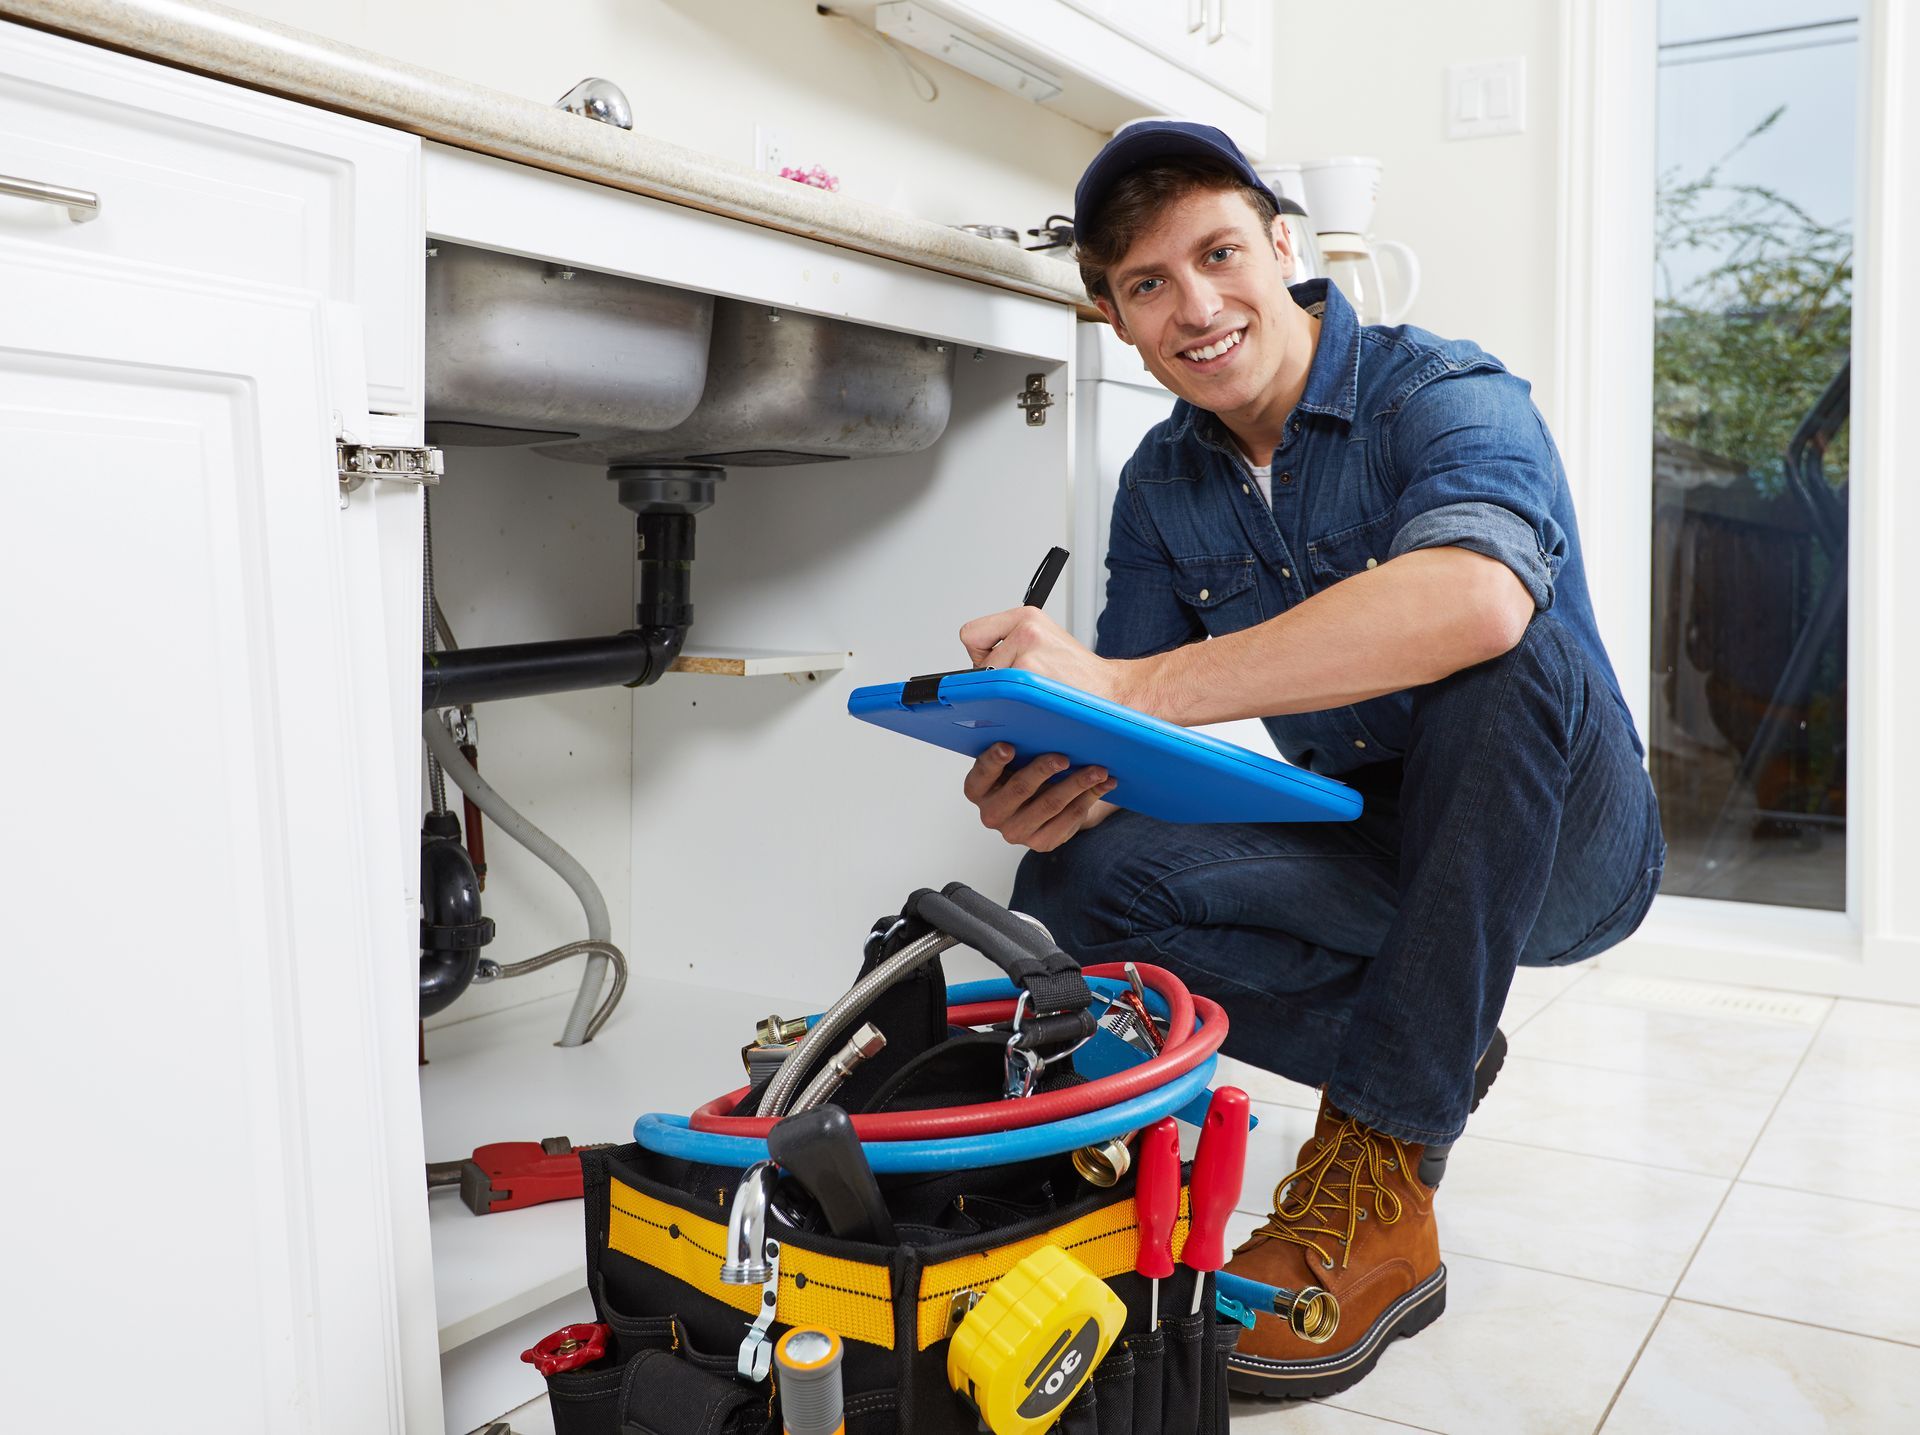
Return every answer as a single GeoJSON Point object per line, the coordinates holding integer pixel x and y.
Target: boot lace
{"type": "Point", "coordinates": [1328, 1195]}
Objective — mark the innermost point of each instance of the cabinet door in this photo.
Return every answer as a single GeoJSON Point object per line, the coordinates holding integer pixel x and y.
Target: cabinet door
{"type": "Point", "coordinates": [1163, 26]}
{"type": "Point", "coordinates": [218, 181]}
{"type": "Point", "coordinates": [198, 908]}
{"type": "Point", "coordinates": [1233, 48]}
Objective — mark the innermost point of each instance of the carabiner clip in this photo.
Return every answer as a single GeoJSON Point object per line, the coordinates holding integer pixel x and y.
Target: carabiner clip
{"type": "Point", "coordinates": [1023, 1066]}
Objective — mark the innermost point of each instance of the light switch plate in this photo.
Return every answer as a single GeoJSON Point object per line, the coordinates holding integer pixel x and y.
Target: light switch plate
{"type": "Point", "coordinates": [1487, 97]}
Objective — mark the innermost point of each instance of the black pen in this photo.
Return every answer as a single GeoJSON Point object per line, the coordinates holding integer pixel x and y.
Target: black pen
{"type": "Point", "coordinates": [1040, 587]}
{"type": "Point", "coordinates": [1044, 578]}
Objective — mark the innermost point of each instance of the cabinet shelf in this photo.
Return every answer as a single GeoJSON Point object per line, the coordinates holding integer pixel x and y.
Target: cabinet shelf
{"type": "Point", "coordinates": [756, 662]}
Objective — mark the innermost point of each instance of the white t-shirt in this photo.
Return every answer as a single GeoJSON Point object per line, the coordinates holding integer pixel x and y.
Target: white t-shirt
{"type": "Point", "coordinates": [1264, 477]}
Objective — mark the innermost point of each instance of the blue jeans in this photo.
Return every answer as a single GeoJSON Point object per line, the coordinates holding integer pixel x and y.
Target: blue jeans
{"type": "Point", "coordinates": [1374, 957]}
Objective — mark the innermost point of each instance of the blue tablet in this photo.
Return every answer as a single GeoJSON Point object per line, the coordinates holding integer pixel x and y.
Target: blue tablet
{"type": "Point", "coordinates": [1160, 770]}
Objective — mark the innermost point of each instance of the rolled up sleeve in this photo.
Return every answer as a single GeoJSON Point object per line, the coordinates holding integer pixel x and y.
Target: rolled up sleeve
{"type": "Point", "coordinates": [1489, 530]}
{"type": "Point", "coordinates": [1481, 474]}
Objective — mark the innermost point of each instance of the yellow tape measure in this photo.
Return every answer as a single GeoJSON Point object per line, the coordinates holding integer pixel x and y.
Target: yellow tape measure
{"type": "Point", "coordinates": [1033, 1340]}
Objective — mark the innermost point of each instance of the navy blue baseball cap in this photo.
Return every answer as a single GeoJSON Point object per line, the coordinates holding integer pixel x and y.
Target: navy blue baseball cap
{"type": "Point", "coordinates": [1140, 144]}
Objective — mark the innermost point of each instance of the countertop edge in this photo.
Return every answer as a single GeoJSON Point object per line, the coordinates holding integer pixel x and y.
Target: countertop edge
{"type": "Point", "coordinates": [226, 44]}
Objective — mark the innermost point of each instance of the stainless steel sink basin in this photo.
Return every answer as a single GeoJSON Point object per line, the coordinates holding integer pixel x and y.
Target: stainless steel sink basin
{"type": "Point", "coordinates": [786, 388]}
{"type": "Point", "coordinates": [596, 368]}
{"type": "Point", "coordinates": [520, 351]}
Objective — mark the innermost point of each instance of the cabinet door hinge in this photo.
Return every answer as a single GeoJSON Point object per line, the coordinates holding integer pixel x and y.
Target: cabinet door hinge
{"type": "Point", "coordinates": [359, 462]}
{"type": "Point", "coordinates": [1035, 400]}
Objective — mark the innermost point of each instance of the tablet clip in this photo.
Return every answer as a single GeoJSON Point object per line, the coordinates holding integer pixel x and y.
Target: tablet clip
{"type": "Point", "coordinates": [917, 692]}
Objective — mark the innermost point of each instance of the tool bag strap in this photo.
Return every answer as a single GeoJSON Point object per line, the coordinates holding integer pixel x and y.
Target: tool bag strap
{"type": "Point", "coordinates": [1020, 948]}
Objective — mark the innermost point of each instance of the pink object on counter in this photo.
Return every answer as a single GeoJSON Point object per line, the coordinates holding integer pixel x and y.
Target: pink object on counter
{"type": "Point", "coordinates": [815, 176]}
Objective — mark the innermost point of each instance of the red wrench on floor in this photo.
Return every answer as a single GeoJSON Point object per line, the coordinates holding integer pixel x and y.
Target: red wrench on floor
{"type": "Point", "coordinates": [508, 1174]}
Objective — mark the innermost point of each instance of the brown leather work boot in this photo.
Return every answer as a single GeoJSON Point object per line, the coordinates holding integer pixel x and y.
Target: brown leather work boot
{"type": "Point", "coordinates": [1355, 1219]}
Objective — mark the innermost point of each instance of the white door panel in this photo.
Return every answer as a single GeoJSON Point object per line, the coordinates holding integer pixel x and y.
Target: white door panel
{"type": "Point", "coordinates": [195, 913]}
{"type": "Point", "coordinates": [221, 182]}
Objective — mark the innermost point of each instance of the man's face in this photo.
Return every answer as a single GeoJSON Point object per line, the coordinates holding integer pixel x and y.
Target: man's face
{"type": "Point", "coordinates": [1203, 296]}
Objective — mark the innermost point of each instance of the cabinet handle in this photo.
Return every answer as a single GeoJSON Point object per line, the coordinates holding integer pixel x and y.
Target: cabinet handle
{"type": "Point", "coordinates": [1217, 22]}
{"type": "Point", "coordinates": [1196, 14]}
{"type": "Point", "coordinates": [81, 205]}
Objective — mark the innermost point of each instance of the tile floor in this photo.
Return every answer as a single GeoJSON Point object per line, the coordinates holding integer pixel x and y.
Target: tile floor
{"type": "Point", "coordinates": [1684, 1207]}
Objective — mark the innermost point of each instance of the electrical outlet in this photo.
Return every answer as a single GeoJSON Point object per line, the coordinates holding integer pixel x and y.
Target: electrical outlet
{"type": "Point", "coordinates": [772, 148]}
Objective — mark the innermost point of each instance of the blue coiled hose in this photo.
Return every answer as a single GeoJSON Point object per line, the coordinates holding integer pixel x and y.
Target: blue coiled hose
{"type": "Point", "coordinates": [672, 1136]}
{"type": "Point", "coordinates": [669, 1135]}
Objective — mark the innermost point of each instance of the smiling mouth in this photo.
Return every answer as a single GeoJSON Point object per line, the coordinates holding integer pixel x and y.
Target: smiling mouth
{"type": "Point", "coordinates": [1211, 355]}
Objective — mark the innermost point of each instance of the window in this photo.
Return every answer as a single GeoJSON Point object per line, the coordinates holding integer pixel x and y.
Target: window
{"type": "Point", "coordinates": [1752, 331]}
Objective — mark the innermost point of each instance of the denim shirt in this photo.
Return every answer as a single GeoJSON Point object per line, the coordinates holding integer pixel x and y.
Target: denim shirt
{"type": "Point", "coordinates": [1401, 440]}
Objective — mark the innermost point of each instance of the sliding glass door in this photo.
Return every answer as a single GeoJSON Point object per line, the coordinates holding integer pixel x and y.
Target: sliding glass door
{"type": "Point", "coordinates": [1753, 323]}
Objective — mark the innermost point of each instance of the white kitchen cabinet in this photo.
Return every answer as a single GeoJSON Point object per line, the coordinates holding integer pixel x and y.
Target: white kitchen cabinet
{"type": "Point", "coordinates": [207, 179]}
{"type": "Point", "coordinates": [205, 905]}
{"type": "Point", "coordinates": [1236, 49]}
{"type": "Point", "coordinates": [1225, 42]}
{"type": "Point", "coordinates": [1117, 60]}
{"type": "Point", "coordinates": [210, 734]}
{"type": "Point", "coordinates": [745, 830]}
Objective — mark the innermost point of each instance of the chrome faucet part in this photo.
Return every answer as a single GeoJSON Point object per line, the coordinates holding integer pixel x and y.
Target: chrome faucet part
{"type": "Point", "coordinates": [746, 1261]}
{"type": "Point", "coordinates": [600, 100]}
{"type": "Point", "coordinates": [756, 1351]}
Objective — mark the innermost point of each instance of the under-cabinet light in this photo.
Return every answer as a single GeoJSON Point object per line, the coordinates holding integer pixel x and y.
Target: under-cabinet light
{"type": "Point", "coordinates": [938, 36]}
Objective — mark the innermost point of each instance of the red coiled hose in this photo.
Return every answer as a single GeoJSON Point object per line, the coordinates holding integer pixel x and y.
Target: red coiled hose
{"type": "Point", "coordinates": [1186, 1047]}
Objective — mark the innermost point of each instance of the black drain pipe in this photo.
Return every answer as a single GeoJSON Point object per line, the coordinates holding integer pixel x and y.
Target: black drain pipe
{"type": "Point", "coordinates": [452, 930]}
{"type": "Point", "coordinates": [666, 500]}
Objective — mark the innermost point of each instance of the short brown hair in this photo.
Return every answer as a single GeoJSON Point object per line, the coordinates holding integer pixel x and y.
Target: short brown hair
{"type": "Point", "coordinates": [1136, 201]}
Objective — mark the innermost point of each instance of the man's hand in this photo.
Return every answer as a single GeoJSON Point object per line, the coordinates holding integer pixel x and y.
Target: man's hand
{"type": "Point", "coordinates": [1028, 639]}
{"type": "Point", "coordinates": [1028, 810]}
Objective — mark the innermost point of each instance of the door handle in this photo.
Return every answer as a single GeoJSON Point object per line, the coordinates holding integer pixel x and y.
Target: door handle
{"type": "Point", "coordinates": [81, 205]}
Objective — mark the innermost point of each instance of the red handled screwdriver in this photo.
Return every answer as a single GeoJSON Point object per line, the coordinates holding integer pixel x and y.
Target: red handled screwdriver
{"type": "Point", "coordinates": [1156, 1200]}
{"type": "Point", "coordinates": [1219, 1166]}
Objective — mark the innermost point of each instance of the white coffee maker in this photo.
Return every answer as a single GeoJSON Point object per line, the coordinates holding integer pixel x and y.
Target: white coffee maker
{"type": "Point", "coordinates": [1340, 194]}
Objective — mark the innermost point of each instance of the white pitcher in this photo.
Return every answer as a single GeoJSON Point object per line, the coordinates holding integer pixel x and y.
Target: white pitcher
{"type": "Point", "coordinates": [1350, 261]}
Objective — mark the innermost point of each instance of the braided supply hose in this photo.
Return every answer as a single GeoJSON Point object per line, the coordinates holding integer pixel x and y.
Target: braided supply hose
{"type": "Point", "coordinates": [841, 1015]}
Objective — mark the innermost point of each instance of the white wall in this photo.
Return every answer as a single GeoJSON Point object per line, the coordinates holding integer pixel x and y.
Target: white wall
{"type": "Point", "coordinates": [526, 549]}
{"type": "Point", "coordinates": [702, 73]}
{"type": "Point", "coordinates": [1370, 78]}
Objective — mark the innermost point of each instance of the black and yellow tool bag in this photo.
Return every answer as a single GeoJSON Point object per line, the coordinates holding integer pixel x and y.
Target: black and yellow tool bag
{"type": "Point", "coordinates": [657, 1233]}
{"type": "Point", "coordinates": [657, 1236]}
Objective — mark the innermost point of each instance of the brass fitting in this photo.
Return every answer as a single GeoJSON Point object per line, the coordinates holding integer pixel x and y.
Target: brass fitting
{"type": "Point", "coordinates": [1105, 1164]}
{"type": "Point", "coordinates": [778, 1030]}
{"type": "Point", "coordinates": [1314, 1315]}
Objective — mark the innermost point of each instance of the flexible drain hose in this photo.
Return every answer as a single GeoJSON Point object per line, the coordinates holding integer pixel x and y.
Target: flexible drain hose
{"type": "Point", "coordinates": [599, 925]}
